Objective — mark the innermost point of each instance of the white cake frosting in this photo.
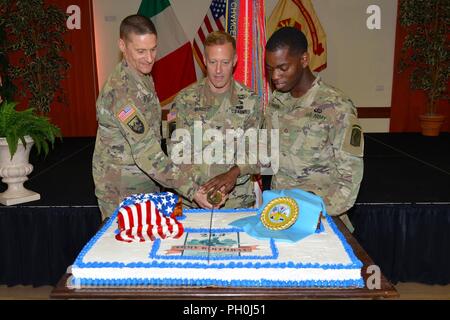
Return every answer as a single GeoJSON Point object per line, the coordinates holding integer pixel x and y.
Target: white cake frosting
{"type": "Point", "coordinates": [323, 259]}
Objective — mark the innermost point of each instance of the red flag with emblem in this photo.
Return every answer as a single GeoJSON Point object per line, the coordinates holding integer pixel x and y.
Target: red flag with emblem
{"type": "Point", "coordinates": [301, 15]}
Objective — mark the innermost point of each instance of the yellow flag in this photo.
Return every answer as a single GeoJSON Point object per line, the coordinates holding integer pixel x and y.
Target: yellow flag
{"type": "Point", "coordinates": [301, 15]}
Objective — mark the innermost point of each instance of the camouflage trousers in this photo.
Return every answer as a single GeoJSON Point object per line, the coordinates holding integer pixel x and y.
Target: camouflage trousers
{"type": "Point", "coordinates": [106, 208]}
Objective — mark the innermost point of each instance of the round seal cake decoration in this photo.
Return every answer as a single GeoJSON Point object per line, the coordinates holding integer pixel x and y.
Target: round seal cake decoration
{"type": "Point", "coordinates": [280, 213]}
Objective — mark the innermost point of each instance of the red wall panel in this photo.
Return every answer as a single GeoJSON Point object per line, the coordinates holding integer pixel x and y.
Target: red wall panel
{"type": "Point", "coordinates": [78, 118]}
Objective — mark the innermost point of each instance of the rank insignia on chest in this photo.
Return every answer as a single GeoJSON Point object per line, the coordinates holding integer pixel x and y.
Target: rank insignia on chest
{"type": "Point", "coordinates": [142, 90]}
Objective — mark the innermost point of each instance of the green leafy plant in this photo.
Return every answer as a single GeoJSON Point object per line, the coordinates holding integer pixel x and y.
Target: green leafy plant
{"type": "Point", "coordinates": [33, 33]}
{"type": "Point", "coordinates": [15, 125]}
{"type": "Point", "coordinates": [425, 50]}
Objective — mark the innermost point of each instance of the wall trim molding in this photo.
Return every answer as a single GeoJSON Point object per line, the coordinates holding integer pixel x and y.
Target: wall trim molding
{"type": "Point", "coordinates": [374, 112]}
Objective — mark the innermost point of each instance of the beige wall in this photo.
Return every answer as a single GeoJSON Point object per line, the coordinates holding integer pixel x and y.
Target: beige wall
{"type": "Point", "coordinates": [359, 60]}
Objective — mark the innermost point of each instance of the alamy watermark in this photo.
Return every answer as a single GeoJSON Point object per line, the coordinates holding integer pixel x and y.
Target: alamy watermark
{"type": "Point", "coordinates": [235, 146]}
{"type": "Point", "coordinates": [373, 281]}
{"type": "Point", "coordinates": [74, 19]}
{"type": "Point", "coordinates": [373, 22]}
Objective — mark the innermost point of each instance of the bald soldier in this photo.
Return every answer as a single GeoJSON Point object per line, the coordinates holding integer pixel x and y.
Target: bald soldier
{"type": "Point", "coordinates": [321, 141]}
{"type": "Point", "coordinates": [128, 158]}
{"type": "Point", "coordinates": [219, 102]}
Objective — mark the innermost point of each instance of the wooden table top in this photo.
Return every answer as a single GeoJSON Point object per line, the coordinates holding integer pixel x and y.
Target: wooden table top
{"type": "Point", "coordinates": [61, 291]}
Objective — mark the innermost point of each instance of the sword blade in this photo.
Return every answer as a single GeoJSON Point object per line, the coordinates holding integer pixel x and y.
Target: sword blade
{"type": "Point", "coordinates": [210, 232]}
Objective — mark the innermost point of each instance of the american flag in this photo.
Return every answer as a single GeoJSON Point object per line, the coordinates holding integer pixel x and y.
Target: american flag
{"type": "Point", "coordinates": [126, 113]}
{"type": "Point", "coordinates": [147, 217]}
{"type": "Point", "coordinates": [214, 20]}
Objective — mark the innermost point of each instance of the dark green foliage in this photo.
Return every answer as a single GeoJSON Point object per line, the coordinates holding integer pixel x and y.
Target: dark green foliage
{"type": "Point", "coordinates": [426, 49]}
{"type": "Point", "coordinates": [15, 125]}
{"type": "Point", "coordinates": [7, 88]}
{"type": "Point", "coordinates": [34, 32]}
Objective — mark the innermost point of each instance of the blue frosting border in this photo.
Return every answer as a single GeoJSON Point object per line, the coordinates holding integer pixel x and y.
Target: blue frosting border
{"type": "Point", "coordinates": [355, 264]}
{"type": "Point", "coordinates": [217, 282]}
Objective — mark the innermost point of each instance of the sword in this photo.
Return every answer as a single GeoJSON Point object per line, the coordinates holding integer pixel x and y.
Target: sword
{"type": "Point", "coordinates": [213, 198]}
{"type": "Point", "coordinates": [210, 227]}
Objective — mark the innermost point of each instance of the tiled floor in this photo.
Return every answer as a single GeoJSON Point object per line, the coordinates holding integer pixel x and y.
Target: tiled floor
{"type": "Point", "coordinates": [25, 292]}
{"type": "Point", "coordinates": [407, 290]}
{"type": "Point", "coordinates": [418, 291]}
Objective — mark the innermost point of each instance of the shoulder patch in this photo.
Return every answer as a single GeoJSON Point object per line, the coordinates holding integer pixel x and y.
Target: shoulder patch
{"type": "Point", "coordinates": [129, 116]}
{"type": "Point", "coordinates": [125, 113]}
{"type": "Point", "coordinates": [136, 125]}
{"type": "Point", "coordinates": [353, 140]}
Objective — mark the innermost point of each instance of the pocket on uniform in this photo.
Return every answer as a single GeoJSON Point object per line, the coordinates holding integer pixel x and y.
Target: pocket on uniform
{"type": "Point", "coordinates": [315, 137]}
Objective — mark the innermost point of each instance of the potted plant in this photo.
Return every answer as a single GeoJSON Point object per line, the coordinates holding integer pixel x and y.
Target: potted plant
{"type": "Point", "coordinates": [425, 53]}
{"type": "Point", "coordinates": [32, 41]}
{"type": "Point", "coordinates": [19, 130]}
{"type": "Point", "coordinates": [32, 65]}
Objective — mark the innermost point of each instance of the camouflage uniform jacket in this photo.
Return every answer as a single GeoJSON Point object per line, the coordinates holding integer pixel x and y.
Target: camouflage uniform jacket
{"type": "Point", "coordinates": [321, 144]}
{"type": "Point", "coordinates": [128, 157]}
{"type": "Point", "coordinates": [238, 108]}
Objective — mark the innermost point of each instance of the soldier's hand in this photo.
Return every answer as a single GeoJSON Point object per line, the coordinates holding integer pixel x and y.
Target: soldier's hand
{"type": "Point", "coordinates": [224, 182]}
{"type": "Point", "coordinates": [224, 199]}
{"type": "Point", "coordinates": [201, 199]}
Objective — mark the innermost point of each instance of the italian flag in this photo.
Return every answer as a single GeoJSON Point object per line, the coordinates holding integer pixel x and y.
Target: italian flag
{"type": "Point", "coordinates": [174, 68]}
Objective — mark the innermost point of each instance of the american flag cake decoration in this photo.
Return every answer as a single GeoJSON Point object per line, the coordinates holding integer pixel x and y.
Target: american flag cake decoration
{"type": "Point", "coordinates": [149, 218]}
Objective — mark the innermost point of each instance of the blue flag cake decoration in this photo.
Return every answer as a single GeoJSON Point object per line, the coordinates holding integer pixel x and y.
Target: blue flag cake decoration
{"type": "Point", "coordinates": [286, 215]}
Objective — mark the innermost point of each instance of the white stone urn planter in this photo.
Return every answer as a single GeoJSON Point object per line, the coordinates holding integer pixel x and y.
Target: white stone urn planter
{"type": "Point", "coordinates": [14, 173]}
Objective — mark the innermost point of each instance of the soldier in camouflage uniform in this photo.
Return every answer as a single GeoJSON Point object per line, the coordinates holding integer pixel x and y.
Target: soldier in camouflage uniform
{"type": "Point", "coordinates": [128, 157]}
{"type": "Point", "coordinates": [321, 141]}
{"type": "Point", "coordinates": [219, 102]}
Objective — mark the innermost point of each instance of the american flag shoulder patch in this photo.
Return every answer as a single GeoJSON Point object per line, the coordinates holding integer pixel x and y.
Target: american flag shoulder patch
{"type": "Point", "coordinates": [125, 113]}
{"type": "Point", "coordinates": [171, 116]}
